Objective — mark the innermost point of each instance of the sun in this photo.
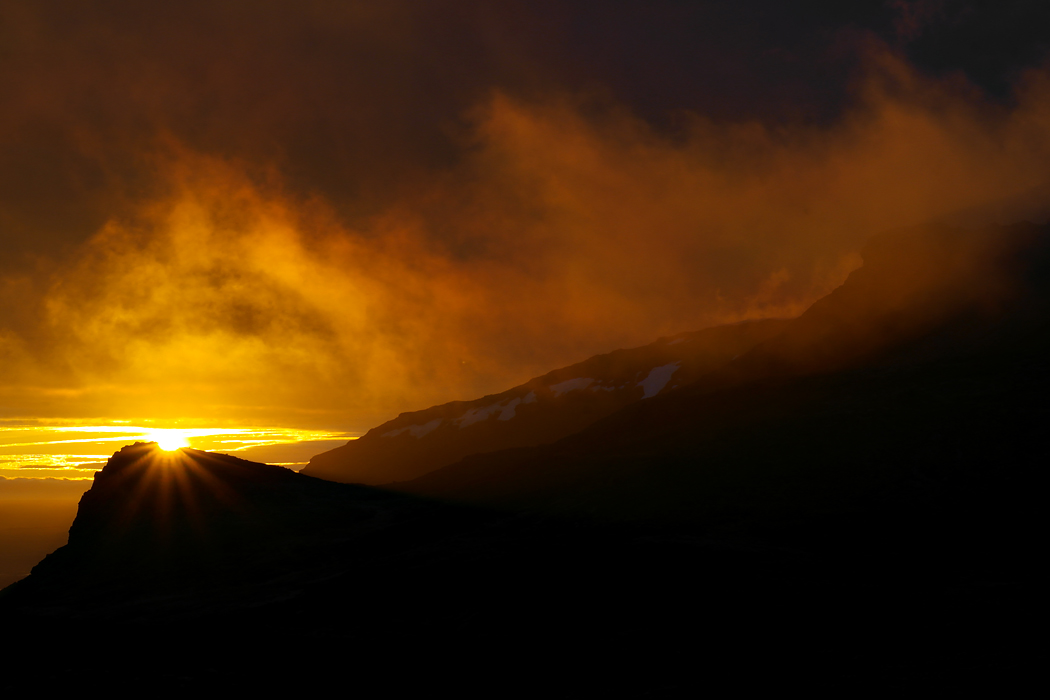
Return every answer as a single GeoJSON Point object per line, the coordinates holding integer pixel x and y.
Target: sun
{"type": "Point", "coordinates": [168, 440]}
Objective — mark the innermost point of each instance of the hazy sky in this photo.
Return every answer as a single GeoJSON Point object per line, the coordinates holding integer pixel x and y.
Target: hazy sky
{"type": "Point", "coordinates": [320, 214]}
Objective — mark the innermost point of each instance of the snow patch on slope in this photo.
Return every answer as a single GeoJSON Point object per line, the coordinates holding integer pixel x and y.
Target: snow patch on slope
{"type": "Point", "coordinates": [657, 379]}
{"type": "Point", "coordinates": [508, 411]}
{"type": "Point", "coordinates": [416, 431]}
{"type": "Point", "coordinates": [476, 415]}
{"type": "Point", "coordinates": [571, 385]}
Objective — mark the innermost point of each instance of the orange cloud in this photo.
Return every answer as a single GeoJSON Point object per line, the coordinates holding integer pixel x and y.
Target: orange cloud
{"type": "Point", "coordinates": [558, 235]}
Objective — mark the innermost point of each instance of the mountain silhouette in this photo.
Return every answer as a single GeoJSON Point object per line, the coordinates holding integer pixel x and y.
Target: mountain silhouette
{"type": "Point", "coordinates": [852, 504]}
{"type": "Point", "coordinates": [935, 346]}
{"type": "Point", "coordinates": [543, 410]}
{"type": "Point", "coordinates": [921, 293]}
{"type": "Point", "coordinates": [161, 532]}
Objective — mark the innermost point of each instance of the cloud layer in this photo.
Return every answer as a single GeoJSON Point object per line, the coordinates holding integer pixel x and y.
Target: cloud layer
{"type": "Point", "coordinates": [242, 249]}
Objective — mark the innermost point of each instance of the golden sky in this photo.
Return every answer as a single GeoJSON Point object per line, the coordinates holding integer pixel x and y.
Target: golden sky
{"type": "Point", "coordinates": [77, 450]}
{"type": "Point", "coordinates": [317, 215]}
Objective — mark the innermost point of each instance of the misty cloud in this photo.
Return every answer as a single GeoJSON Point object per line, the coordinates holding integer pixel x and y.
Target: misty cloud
{"type": "Point", "coordinates": [327, 216]}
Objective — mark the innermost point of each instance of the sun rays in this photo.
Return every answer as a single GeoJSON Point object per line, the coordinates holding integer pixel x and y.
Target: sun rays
{"type": "Point", "coordinates": [76, 450]}
{"type": "Point", "coordinates": [162, 483]}
{"type": "Point", "coordinates": [169, 440]}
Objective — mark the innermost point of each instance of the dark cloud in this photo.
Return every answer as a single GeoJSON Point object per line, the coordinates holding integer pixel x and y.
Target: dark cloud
{"type": "Point", "coordinates": [351, 99]}
{"type": "Point", "coordinates": [329, 211]}
{"type": "Point", "coordinates": [991, 43]}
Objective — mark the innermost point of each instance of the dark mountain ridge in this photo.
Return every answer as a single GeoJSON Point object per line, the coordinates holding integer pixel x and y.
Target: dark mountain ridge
{"type": "Point", "coordinates": [166, 534]}
{"type": "Point", "coordinates": [920, 293]}
{"type": "Point", "coordinates": [896, 357]}
{"type": "Point", "coordinates": [867, 521]}
{"type": "Point", "coordinates": [540, 411]}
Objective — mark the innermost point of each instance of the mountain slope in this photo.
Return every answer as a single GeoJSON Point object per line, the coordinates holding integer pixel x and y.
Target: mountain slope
{"type": "Point", "coordinates": [195, 571]}
{"type": "Point", "coordinates": [920, 294]}
{"type": "Point", "coordinates": [874, 526]}
{"type": "Point", "coordinates": [540, 411]}
{"type": "Point", "coordinates": [936, 347]}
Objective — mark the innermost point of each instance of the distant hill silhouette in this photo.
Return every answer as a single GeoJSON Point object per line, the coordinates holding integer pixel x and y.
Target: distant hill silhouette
{"type": "Point", "coordinates": [920, 293]}
{"type": "Point", "coordinates": [853, 505]}
{"type": "Point", "coordinates": [541, 411]}
{"type": "Point", "coordinates": [937, 343]}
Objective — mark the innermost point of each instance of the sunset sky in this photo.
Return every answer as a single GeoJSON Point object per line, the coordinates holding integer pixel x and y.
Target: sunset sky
{"type": "Point", "coordinates": [314, 215]}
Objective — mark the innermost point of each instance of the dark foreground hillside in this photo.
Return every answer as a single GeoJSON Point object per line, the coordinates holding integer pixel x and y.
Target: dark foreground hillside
{"type": "Point", "coordinates": [398, 594]}
{"type": "Point", "coordinates": [867, 524]}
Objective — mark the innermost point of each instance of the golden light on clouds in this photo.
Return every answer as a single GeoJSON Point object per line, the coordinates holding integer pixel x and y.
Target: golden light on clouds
{"type": "Point", "coordinates": [559, 235]}
{"type": "Point", "coordinates": [31, 449]}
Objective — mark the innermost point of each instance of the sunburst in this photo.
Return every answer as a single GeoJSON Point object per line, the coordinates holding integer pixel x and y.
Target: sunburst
{"type": "Point", "coordinates": [168, 439]}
